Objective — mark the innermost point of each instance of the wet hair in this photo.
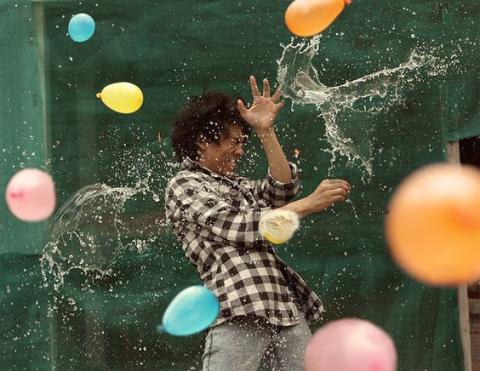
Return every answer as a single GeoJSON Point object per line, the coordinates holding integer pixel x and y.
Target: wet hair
{"type": "Point", "coordinates": [207, 116]}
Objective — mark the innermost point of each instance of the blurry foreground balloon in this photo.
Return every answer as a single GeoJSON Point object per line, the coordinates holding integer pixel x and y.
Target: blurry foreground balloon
{"type": "Point", "coordinates": [30, 195]}
{"type": "Point", "coordinates": [191, 311]}
{"type": "Point", "coordinates": [433, 227]}
{"type": "Point", "coordinates": [81, 27]}
{"type": "Point", "coordinates": [122, 97]}
{"type": "Point", "coordinates": [310, 17]}
{"type": "Point", "coordinates": [350, 345]}
{"type": "Point", "coordinates": [278, 226]}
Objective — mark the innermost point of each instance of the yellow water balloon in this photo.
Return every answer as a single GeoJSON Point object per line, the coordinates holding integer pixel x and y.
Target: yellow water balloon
{"type": "Point", "coordinates": [123, 97]}
{"type": "Point", "coordinates": [278, 226]}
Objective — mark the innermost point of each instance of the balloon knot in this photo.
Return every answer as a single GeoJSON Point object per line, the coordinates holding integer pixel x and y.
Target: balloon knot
{"type": "Point", "coordinates": [17, 194]}
{"type": "Point", "coordinates": [99, 95]}
{"type": "Point", "coordinates": [348, 2]}
{"type": "Point", "coordinates": [161, 329]}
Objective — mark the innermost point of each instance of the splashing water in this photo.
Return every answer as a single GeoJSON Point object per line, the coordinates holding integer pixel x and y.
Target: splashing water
{"type": "Point", "coordinates": [99, 222]}
{"type": "Point", "coordinates": [86, 232]}
{"type": "Point", "coordinates": [369, 94]}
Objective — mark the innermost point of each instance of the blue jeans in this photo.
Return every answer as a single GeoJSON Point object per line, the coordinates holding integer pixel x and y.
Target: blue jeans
{"type": "Point", "coordinates": [241, 343]}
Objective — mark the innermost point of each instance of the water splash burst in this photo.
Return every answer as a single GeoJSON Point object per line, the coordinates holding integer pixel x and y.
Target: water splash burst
{"type": "Point", "coordinates": [99, 222]}
{"type": "Point", "coordinates": [367, 95]}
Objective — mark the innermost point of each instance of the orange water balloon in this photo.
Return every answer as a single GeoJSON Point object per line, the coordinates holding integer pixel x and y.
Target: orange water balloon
{"type": "Point", "coordinates": [433, 227]}
{"type": "Point", "coordinates": [310, 17]}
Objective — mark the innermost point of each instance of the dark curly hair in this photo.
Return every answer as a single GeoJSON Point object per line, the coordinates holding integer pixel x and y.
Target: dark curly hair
{"type": "Point", "coordinates": [209, 116]}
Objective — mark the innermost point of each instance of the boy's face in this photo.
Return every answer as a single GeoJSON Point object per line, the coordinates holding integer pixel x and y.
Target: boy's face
{"type": "Point", "coordinates": [222, 158]}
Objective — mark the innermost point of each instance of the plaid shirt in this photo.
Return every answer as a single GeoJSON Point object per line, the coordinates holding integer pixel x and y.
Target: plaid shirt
{"type": "Point", "coordinates": [216, 218]}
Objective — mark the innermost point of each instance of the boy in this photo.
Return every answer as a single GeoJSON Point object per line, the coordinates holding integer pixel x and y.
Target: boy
{"type": "Point", "coordinates": [265, 305]}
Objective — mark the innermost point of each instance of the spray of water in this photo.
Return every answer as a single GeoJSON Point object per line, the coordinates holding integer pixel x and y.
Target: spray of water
{"type": "Point", "coordinates": [99, 222]}
{"type": "Point", "coordinates": [366, 95]}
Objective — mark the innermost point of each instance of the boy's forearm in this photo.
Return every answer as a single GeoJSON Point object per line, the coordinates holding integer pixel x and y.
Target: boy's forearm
{"type": "Point", "coordinates": [301, 207]}
{"type": "Point", "coordinates": [277, 161]}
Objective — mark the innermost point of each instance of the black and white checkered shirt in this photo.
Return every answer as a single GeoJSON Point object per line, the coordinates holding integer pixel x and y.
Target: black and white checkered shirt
{"type": "Point", "coordinates": [216, 218]}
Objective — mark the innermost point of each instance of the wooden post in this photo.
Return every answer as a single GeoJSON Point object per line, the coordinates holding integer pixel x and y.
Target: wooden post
{"type": "Point", "coordinates": [453, 156]}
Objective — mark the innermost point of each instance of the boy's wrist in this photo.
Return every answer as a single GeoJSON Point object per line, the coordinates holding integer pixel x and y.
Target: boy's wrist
{"type": "Point", "coordinates": [263, 134]}
{"type": "Point", "coordinates": [301, 207]}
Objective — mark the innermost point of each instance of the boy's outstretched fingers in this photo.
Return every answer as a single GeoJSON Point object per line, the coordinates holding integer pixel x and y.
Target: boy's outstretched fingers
{"type": "Point", "coordinates": [241, 107]}
{"type": "Point", "coordinates": [266, 88]}
{"type": "Point", "coordinates": [276, 96]}
{"type": "Point", "coordinates": [254, 86]}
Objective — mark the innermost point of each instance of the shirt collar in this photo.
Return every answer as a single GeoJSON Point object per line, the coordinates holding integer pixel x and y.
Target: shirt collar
{"type": "Point", "coordinates": [189, 164]}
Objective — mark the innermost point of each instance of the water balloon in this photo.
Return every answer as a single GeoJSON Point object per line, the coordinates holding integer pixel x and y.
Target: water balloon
{"type": "Point", "coordinates": [81, 27]}
{"type": "Point", "coordinates": [191, 311]}
{"type": "Point", "coordinates": [433, 226]}
{"type": "Point", "coordinates": [350, 345]}
{"type": "Point", "coordinates": [310, 17]}
{"type": "Point", "coordinates": [278, 226]}
{"type": "Point", "coordinates": [30, 195]}
{"type": "Point", "coordinates": [122, 97]}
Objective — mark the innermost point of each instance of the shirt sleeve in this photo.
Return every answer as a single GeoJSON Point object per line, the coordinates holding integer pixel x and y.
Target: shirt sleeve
{"type": "Point", "coordinates": [190, 203]}
{"type": "Point", "coordinates": [274, 192]}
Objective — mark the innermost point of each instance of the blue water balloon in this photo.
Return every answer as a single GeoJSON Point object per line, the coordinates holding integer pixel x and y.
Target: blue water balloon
{"type": "Point", "coordinates": [191, 311]}
{"type": "Point", "coordinates": [81, 27]}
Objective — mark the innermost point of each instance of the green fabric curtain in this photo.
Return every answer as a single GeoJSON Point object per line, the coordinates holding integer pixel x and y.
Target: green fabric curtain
{"type": "Point", "coordinates": [173, 49]}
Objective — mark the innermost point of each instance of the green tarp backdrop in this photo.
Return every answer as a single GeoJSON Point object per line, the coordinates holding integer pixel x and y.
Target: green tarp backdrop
{"type": "Point", "coordinates": [93, 300]}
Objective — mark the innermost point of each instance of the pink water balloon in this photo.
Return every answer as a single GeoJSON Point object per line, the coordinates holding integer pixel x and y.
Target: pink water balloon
{"type": "Point", "coordinates": [350, 345]}
{"type": "Point", "coordinates": [31, 195]}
